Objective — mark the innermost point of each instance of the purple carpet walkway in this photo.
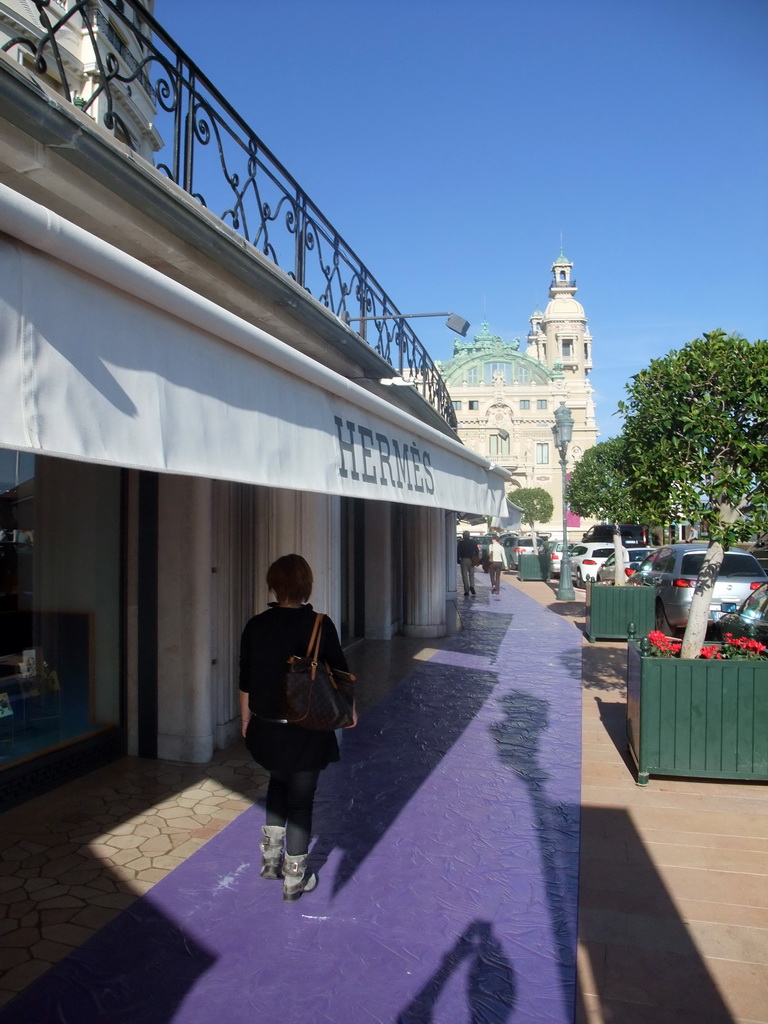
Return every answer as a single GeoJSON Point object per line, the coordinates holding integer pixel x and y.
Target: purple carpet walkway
{"type": "Point", "coordinates": [448, 856]}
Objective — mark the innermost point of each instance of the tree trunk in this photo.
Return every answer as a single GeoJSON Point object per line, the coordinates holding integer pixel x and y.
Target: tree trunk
{"type": "Point", "coordinates": [696, 629]}
{"type": "Point", "coordinates": [619, 576]}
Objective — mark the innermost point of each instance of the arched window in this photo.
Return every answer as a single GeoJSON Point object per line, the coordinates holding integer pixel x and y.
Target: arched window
{"type": "Point", "coordinates": [491, 369]}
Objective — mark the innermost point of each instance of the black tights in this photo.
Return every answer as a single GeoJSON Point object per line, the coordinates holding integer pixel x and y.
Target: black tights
{"type": "Point", "coordinates": [290, 796]}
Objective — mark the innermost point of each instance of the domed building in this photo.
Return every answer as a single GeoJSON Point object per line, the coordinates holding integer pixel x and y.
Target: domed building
{"type": "Point", "coordinates": [505, 398]}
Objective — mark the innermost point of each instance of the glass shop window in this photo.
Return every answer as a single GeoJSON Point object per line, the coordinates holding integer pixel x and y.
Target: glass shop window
{"type": "Point", "coordinates": [59, 602]}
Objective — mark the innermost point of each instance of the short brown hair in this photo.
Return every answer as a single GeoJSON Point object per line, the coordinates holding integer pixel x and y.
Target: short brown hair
{"type": "Point", "coordinates": [290, 579]}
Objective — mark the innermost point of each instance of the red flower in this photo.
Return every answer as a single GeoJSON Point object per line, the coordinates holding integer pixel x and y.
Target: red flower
{"type": "Point", "coordinates": [711, 652]}
{"type": "Point", "coordinates": [661, 646]}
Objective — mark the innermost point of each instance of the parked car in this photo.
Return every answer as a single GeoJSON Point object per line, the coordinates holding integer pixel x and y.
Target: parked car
{"type": "Point", "coordinates": [555, 551]}
{"type": "Point", "coordinates": [673, 570]}
{"type": "Point", "coordinates": [521, 546]}
{"type": "Point", "coordinates": [632, 535]}
{"type": "Point", "coordinates": [586, 558]}
{"type": "Point", "coordinates": [751, 619]}
{"type": "Point", "coordinates": [633, 557]}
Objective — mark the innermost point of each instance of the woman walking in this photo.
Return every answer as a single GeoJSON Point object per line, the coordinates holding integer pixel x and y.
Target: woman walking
{"type": "Point", "coordinates": [294, 757]}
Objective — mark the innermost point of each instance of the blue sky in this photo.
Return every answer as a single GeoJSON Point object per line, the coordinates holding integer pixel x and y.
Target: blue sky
{"type": "Point", "coordinates": [452, 143]}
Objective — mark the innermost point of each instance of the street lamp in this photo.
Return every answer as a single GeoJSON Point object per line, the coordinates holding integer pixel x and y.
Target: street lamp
{"type": "Point", "coordinates": [563, 432]}
{"type": "Point", "coordinates": [454, 322]}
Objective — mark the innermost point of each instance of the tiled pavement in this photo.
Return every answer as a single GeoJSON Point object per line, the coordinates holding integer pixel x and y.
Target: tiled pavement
{"type": "Point", "coordinates": [73, 859]}
{"type": "Point", "coordinates": [673, 900]}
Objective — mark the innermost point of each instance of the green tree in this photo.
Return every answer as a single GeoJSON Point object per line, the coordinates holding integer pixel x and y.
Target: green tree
{"type": "Point", "coordinates": [696, 435]}
{"type": "Point", "coordinates": [599, 489]}
{"type": "Point", "coordinates": [536, 504]}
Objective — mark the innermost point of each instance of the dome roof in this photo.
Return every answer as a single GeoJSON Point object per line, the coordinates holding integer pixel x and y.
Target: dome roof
{"type": "Point", "coordinates": [563, 307]}
{"type": "Point", "coordinates": [562, 260]}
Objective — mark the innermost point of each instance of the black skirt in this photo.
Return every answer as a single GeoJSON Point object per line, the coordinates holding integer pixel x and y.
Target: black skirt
{"type": "Point", "coordinates": [289, 748]}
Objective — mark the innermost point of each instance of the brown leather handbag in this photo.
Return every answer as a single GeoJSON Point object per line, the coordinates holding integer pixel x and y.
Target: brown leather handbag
{"type": "Point", "coordinates": [316, 696]}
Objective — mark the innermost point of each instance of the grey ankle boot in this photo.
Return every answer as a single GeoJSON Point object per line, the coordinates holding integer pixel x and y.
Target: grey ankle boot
{"type": "Point", "coordinates": [295, 879]}
{"type": "Point", "coordinates": [272, 848]}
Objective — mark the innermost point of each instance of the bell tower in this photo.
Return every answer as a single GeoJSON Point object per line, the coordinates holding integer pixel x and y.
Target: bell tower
{"type": "Point", "coordinates": [560, 335]}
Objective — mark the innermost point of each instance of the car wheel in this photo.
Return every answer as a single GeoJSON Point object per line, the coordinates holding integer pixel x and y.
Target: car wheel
{"type": "Point", "coordinates": [662, 622]}
{"type": "Point", "coordinates": [579, 578]}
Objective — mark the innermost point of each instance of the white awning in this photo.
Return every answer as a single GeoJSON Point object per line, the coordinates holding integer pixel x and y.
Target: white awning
{"type": "Point", "coordinates": [511, 520]}
{"type": "Point", "coordinates": [106, 360]}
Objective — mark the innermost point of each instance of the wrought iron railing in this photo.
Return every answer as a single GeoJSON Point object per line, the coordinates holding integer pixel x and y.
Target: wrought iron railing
{"type": "Point", "coordinates": [214, 155]}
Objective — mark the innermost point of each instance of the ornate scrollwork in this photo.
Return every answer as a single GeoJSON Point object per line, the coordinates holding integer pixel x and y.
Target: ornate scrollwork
{"type": "Point", "coordinates": [212, 153]}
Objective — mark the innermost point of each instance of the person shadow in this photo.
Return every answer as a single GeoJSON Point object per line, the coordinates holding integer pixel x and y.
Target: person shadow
{"type": "Point", "coordinates": [518, 738]}
{"type": "Point", "coordinates": [490, 987]}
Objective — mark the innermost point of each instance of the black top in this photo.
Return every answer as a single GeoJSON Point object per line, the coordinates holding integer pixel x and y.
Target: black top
{"type": "Point", "coordinates": [267, 642]}
{"type": "Point", "coordinates": [466, 548]}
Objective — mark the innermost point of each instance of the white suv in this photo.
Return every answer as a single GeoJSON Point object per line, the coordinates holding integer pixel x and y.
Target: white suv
{"type": "Point", "coordinates": [586, 558]}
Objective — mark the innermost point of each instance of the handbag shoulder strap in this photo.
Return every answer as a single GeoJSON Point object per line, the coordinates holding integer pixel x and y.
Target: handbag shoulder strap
{"type": "Point", "coordinates": [313, 647]}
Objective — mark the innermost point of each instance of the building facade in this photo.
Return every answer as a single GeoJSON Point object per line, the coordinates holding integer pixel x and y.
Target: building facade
{"type": "Point", "coordinates": [505, 394]}
{"type": "Point", "coordinates": [178, 411]}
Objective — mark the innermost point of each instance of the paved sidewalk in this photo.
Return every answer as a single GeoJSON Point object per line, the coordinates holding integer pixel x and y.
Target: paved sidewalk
{"type": "Point", "coordinates": [448, 856]}
{"type": "Point", "coordinates": [448, 886]}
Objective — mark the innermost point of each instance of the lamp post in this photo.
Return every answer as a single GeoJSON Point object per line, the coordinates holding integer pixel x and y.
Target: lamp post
{"type": "Point", "coordinates": [563, 432]}
{"type": "Point", "coordinates": [454, 322]}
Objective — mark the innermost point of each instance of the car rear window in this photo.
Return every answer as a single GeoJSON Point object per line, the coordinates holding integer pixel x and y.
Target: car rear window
{"type": "Point", "coordinates": [734, 564]}
{"type": "Point", "coordinates": [602, 552]}
{"type": "Point", "coordinates": [637, 554]}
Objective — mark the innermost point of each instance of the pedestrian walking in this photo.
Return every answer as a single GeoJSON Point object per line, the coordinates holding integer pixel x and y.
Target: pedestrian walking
{"type": "Point", "coordinates": [293, 756]}
{"type": "Point", "coordinates": [468, 558]}
{"type": "Point", "coordinates": [497, 559]}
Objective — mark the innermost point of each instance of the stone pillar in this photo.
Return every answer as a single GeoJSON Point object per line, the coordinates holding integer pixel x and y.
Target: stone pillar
{"type": "Point", "coordinates": [307, 524]}
{"type": "Point", "coordinates": [379, 612]}
{"type": "Point", "coordinates": [185, 700]}
{"type": "Point", "coordinates": [452, 618]}
{"type": "Point", "coordinates": [424, 572]}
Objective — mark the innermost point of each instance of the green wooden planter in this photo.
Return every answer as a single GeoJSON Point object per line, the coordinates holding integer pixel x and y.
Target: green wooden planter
{"type": "Point", "coordinates": [706, 719]}
{"type": "Point", "coordinates": [533, 566]}
{"type": "Point", "coordinates": [610, 610]}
